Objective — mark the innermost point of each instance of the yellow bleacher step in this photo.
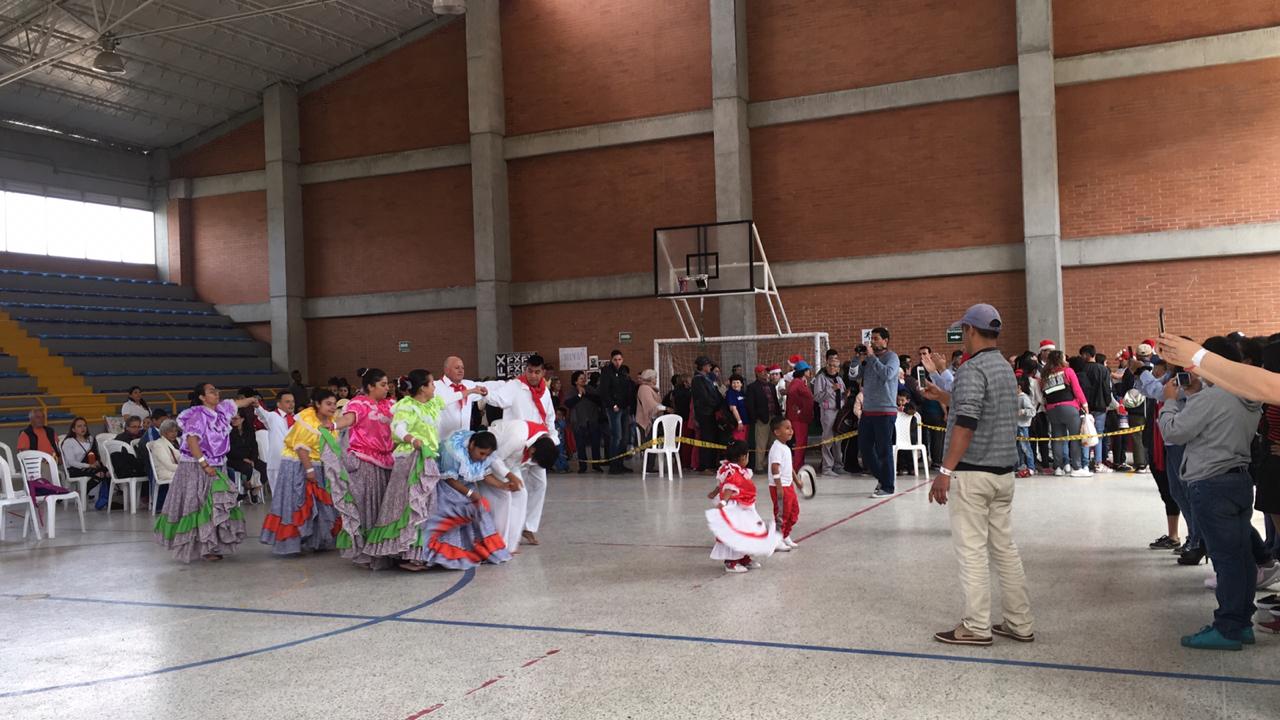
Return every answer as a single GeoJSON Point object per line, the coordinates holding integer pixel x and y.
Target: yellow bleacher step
{"type": "Point", "coordinates": [49, 371]}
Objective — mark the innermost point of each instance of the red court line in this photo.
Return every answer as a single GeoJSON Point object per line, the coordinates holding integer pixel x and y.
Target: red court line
{"type": "Point", "coordinates": [864, 510]}
{"type": "Point", "coordinates": [607, 544]}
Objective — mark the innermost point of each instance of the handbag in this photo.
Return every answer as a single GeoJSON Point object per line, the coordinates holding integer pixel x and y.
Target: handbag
{"type": "Point", "coordinates": [1089, 429]}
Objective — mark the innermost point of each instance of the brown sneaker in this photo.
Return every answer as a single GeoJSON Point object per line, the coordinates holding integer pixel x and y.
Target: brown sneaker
{"type": "Point", "coordinates": [961, 636]}
{"type": "Point", "coordinates": [529, 538]}
{"type": "Point", "coordinates": [1003, 631]}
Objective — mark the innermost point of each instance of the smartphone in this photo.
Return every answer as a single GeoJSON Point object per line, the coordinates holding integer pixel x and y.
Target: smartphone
{"type": "Point", "coordinates": [1161, 321]}
{"type": "Point", "coordinates": [1182, 379]}
{"type": "Point", "coordinates": [921, 375]}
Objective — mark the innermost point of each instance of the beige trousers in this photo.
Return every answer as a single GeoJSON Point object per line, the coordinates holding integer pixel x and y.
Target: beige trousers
{"type": "Point", "coordinates": [982, 531]}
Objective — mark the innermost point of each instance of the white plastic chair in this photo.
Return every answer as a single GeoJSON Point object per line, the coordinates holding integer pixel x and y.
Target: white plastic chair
{"type": "Point", "coordinates": [103, 437]}
{"type": "Point", "coordinates": [11, 496]}
{"type": "Point", "coordinates": [156, 481]}
{"type": "Point", "coordinates": [33, 463]}
{"type": "Point", "coordinates": [668, 428]}
{"type": "Point", "coordinates": [81, 484]}
{"type": "Point", "coordinates": [903, 441]}
{"type": "Point", "coordinates": [7, 452]}
{"type": "Point", "coordinates": [110, 447]}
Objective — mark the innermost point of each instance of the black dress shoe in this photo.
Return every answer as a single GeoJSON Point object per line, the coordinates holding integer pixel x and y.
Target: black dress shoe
{"type": "Point", "coordinates": [1192, 557]}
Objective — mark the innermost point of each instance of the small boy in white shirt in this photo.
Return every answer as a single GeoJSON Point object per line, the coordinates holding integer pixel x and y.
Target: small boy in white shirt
{"type": "Point", "coordinates": [786, 506]}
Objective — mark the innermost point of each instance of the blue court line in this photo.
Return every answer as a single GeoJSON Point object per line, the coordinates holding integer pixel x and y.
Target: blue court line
{"type": "Point", "coordinates": [369, 622]}
{"type": "Point", "coordinates": [399, 617]}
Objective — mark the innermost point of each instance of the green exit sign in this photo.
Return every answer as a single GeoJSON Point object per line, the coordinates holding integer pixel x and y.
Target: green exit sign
{"type": "Point", "coordinates": [955, 336]}
{"type": "Point", "coordinates": [624, 337]}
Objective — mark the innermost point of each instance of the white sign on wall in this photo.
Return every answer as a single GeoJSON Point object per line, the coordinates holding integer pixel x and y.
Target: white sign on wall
{"type": "Point", "coordinates": [573, 358]}
{"type": "Point", "coordinates": [866, 337]}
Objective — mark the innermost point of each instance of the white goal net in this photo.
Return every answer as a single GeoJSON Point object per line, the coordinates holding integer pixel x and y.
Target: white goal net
{"type": "Point", "coordinates": [672, 356]}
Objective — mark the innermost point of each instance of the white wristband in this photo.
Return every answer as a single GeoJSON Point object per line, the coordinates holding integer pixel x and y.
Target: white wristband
{"type": "Point", "coordinates": [311, 471]}
{"type": "Point", "coordinates": [944, 471]}
{"type": "Point", "coordinates": [470, 493]}
{"type": "Point", "coordinates": [1198, 357]}
{"type": "Point", "coordinates": [202, 461]}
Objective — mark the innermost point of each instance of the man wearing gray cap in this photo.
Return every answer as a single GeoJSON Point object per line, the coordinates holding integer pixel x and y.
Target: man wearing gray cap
{"type": "Point", "coordinates": [979, 461]}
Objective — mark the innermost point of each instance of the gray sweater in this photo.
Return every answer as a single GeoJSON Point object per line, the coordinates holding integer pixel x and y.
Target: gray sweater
{"type": "Point", "coordinates": [880, 383]}
{"type": "Point", "coordinates": [1217, 429]}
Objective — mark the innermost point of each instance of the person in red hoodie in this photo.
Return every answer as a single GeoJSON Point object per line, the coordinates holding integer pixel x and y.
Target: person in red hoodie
{"type": "Point", "coordinates": [800, 411]}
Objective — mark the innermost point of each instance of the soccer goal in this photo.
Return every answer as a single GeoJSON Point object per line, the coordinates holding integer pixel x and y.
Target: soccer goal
{"type": "Point", "coordinates": [676, 355]}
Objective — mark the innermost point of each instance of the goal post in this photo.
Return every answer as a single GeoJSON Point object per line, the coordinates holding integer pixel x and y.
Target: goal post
{"type": "Point", "coordinates": [676, 355]}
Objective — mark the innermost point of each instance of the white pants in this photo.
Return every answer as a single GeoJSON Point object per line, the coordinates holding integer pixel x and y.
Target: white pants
{"type": "Point", "coordinates": [272, 472]}
{"type": "Point", "coordinates": [535, 483]}
{"type": "Point", "coordinates": [508, 510]}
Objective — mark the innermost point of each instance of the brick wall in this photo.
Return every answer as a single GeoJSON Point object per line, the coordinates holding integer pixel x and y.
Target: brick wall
{"type": "Point", "coordinates": [53, 264]}
{"type": "Point", "coordinates": [576, 62]}
{"type": "Point", "coordinates": [1164, 152]}
{"type": "Point", "coordinates": [240, 150]}
{"type": "Point", "coordinates": [801, 47]}
{"type": "Point", "coordinates": [916, 312]}
{"type": "Point", "coordinates": [1116, 307]}
{"type": "Point", "coordinates": [415, 97]}
{"type": "Point", "coordinates": [1084, 26]}
{"type": "Point", "coordinates": [593, 212]}
{"type": "Point", "coordinates": [939, 176]}
{"type": "Point", "coordinates": [337, 346]}
{"type": "Point", "coordinates": [230, 254]}
{"type": "Point", "coordinates": [416, 227]}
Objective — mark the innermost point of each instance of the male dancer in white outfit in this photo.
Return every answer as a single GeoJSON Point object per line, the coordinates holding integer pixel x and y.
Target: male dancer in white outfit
{"type": "Point", "coordinates": [528, 397]}
{"type": "Point", "coordinates": [459, 396]}
{"type": "Point", "coordinates": [278, 422]}
{"type": "Point", "coordinates": [523, 447]}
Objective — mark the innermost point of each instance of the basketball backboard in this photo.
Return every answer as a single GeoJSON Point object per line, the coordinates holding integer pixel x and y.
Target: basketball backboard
{"type": "Point", "coordinates": [711, 259]}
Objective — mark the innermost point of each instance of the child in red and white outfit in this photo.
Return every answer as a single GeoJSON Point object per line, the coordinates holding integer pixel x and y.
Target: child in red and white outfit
{"type": "Point", "coordinates": [735, 523]}
{"type": "Point", "coordinates": [786, 506]}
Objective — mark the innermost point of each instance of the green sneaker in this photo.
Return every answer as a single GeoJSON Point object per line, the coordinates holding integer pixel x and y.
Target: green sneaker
{"type": "Point", "coordinates": [1210, 639]}
{"type": "Point", "coordinates": [1246, 636]}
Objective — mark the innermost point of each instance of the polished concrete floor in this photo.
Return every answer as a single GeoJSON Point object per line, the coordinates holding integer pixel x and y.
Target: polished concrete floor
{"type": "Point", "coordinates": [620, 614]}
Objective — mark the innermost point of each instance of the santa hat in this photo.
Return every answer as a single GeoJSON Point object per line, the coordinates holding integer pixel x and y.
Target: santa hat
{"type": "Point", "coordinates": [760, 369]}
{"type": "Point", "coordinates": [1150, 342]}
{"type": "Point", "coordinates": [1146, 350]}
{"type": "Point", "coordinates": [1047, 345]}
{"type": "Point", "coordinates": [794, 359]}
{"type": "Point", "coordinates": [775, 369]}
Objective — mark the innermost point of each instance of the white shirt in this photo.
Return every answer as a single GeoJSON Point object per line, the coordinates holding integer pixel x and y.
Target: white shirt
{"type": "Point", "coordinates": [517, 402]}
{"type": "Point", "coordinates": [457, 407]}
{"type": "Point", "coordinates": [780, 454]}
{"type": "Point", "coordinates": [164, 459]}
{"type": "Point", "coordinates": [277, 428]}
{"type": "Point", "coordinates": [133, 409]}
{"type": "Point", "coordinates": [514, 438]}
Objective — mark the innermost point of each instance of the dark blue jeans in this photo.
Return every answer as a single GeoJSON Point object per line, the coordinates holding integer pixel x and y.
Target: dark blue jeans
{"type": "Point", "coordinates": [1224, 507]}
{"type": "Point", "coordinates": [875, 442]}
{"type": "Point", "coordinates": [617, 432]}
{"type": "Point", "coordinates": [1178, 489]}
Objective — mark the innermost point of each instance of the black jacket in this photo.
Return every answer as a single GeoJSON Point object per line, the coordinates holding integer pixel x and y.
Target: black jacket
{"type": "Point", "coordinates": [706, 397]}
{"type": "Point", "coordinates": [758, 404]}
{"type": "Point", "coordinates": [1096, 384]}
{"type": "Point", "coordinates": [615, 388]}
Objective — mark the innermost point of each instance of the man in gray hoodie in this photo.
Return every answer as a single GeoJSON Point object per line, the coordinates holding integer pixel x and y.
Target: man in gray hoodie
{"type": "Point", "coordinates": [879, 411]}
{"type": "Point", "coordinates": [1217, 429]}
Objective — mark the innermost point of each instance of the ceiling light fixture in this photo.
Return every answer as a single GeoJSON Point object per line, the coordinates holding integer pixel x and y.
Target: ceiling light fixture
{"type": "Point", "coordinates": [108, 60]}
{"type": "Point", "coordinates": [449, 7]}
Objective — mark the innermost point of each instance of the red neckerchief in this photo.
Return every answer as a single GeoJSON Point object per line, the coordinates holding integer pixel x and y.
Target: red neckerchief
{"type": "Point", "coordinates": [462, 392]}
{"type": "Point", "coordinates": [537, 393]}
{"type": "Point", "coordinates": [535, 430]}
{"type": "Point", "coordinates": [288, 418]}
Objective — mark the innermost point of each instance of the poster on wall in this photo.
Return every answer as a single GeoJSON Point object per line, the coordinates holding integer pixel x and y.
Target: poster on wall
{"type": "Point", "coordinates": [866, 337]}
{"type": "Point", "coordinates": [573, 358]}
{"type": "Point", "coordinates": [511, 365]}
{"type": "Point", "coordinates": [593, 362]}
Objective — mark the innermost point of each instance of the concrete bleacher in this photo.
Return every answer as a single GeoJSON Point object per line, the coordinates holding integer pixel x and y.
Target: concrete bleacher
{"type": "Point", "coordinates": [119, 332]}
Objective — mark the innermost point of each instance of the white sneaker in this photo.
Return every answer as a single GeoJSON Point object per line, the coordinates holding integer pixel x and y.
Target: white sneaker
{"type": "Point", "coordinates": [789, 542]}
{"type": "Point", "coordinates": [1211, 582]}
{"type": "Point", "coordinates": [783, 546]}
{"type": "Point", "coordinates": [1267, 574]}
{"type": "Point", "coordinates": [1081, 472]}
{"type": "Point", "coordinates": [735, 569]}
{"type": "Point", "coordinates": [1059, 472]}
{"type": "Point", "coordinates": [881, 493]}
{"type": "Point", "coordinates": [829, 473]}
{"type": "Point", "coordinates": [1103, 470]}
{"type": "Point", "coordinates": [755, 565]}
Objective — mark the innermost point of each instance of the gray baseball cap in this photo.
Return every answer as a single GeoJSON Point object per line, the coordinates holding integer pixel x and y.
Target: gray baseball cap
{"type": "Point", "coordinates": [981, 317]}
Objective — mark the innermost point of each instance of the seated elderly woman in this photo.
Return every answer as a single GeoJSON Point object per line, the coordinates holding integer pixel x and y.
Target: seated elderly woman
{"type": "Point", "coordinates": [164, 460]}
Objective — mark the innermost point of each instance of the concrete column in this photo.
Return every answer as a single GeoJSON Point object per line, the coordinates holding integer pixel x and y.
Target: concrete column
{"type": "Point", "coordinates": [732, 142]}
{"type": "Point", "coordinates": [1042, 229]}
{"type": "Point", "coordinates": [159, 161]}
{"type": "Point", "coordinates": [491, 222]}
{"type": "Point", "coordinates": [179, 247]}
{"type": "Point", "coordinates": [286, 266]}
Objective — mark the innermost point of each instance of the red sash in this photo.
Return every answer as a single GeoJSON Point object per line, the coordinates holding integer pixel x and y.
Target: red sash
{"type": "Point", "coordinates": [537, 393]}
{"type": "Point", "coordinates": [462, 394]}
{"type": "Point", "coordinates": [534, 429]}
